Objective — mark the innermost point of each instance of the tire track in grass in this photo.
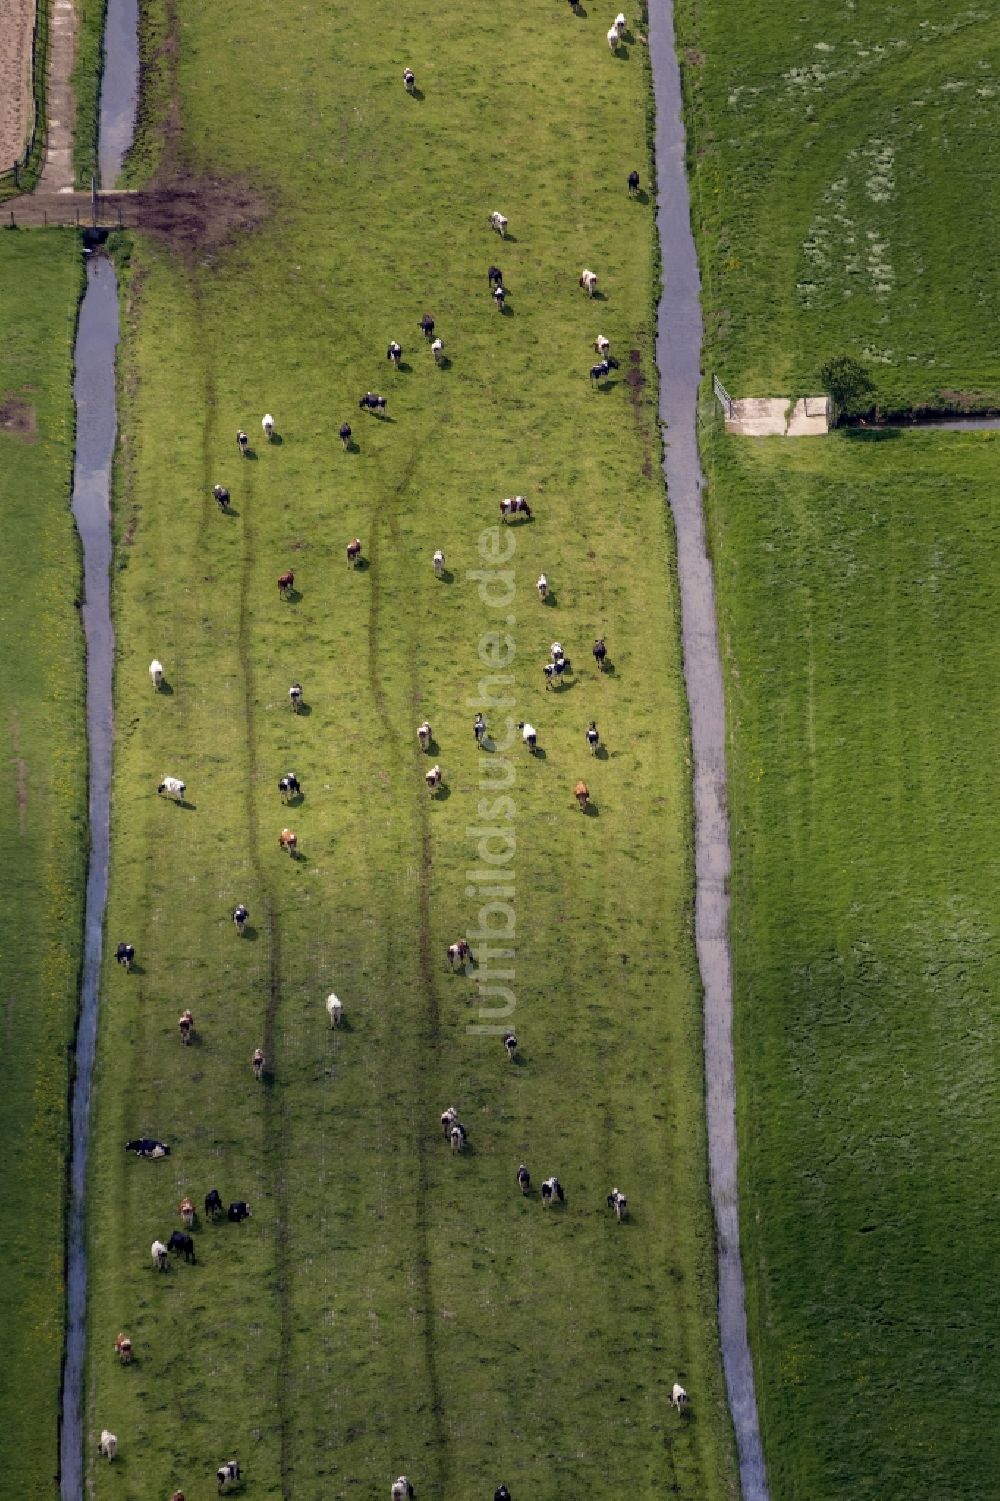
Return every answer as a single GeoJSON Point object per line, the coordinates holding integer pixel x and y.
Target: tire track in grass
{"type": "Point", "coordinates": [439, 1438]}
{"type": "Point", "coordinates": [275, 1120]}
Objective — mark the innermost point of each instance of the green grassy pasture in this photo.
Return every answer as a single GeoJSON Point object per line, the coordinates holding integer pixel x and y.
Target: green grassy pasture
{"type": "Point", "coordinates": [389, 1307]}
{"type": "Point", "coordinates": [858, 600]}
{"type": "Point", "coordinates": [42, 832]}
{"type": "Point", "coordinates": [846, 175]}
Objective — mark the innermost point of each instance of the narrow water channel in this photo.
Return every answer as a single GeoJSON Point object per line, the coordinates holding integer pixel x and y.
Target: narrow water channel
{"type": "Point", "coordinates": [96, 429]}
{"type": "Point", "coordinates": [678, 356]}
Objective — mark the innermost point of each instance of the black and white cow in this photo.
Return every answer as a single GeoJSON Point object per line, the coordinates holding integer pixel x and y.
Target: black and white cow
{"type": "Point", "coordinates": [124, 954]}
{"type": "Point", "coordinates": [238, 1211]}
{"type": "Point", "coordinates": [372, 402]}
{"type": "Point", "coordinates": [241, 916]}
{"type": "Point", "coordinates": [523, 1179]}
{"type": "Point", "coordinates": [552, 1189]}
{"type": "Point", "coordinates": [289, 786]}
{"type": "Point", "coordinates": [147, 1146]}
{"type": "Point", "coordinates": [222, 496]}
{"type": "Point", "coordinates": [226, 1474]}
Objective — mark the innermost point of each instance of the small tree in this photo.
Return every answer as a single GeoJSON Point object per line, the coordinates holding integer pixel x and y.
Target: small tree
{"type": "Point", "coordinates": [849, 384]}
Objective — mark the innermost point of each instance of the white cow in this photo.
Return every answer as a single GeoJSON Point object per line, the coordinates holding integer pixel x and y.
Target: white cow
{"type": "Point", "coordinates": [108, 1445]}
{"type": "Point", "coordinates": [424, 735]}
{"type": "Point", "coordinates": [499, 223]}
{"type": "Point", "coordinates": [227, 1472]}
{"type": "Point", "coordinates": [613, 38]}
{"type": "Point", "coordinates": [620, 23]}
{"type": "Point", "coordinates": [156, 673]}
{"type": "Point", "coordinates": [267, 423]}
{"type": "Point", "coordinates": [158, 1251]}
{"type": "Point", "coordinates": [174, 786]}
{"type": "Point", "coordinates": [528, 734]}
{"type": "Point", "coordinates": [409, 82]}
{"type": "Point", "coordinates": [402, 1490]}
{"type": "Point", "coordinates": [433, 779]}
{"type": "Point", "coordinates": [437, 350]}
{"type": "Point", "coordinates": [588, 281]}
{"type": "Point", "coordinates": [439, 564]}
{"type": "Point", "coordinates": [602, 346]}
{"type": "Point", "coordinates": [543, 587]}
{"type": "Point", "coordinates": [334, 1009]}
{"type": "Point", "coordinates": [678, 1396]}
{"type": "Point", "coordinates": [457, 1135]}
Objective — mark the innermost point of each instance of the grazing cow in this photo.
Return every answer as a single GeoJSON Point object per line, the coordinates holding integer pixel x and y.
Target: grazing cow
{"type": "Point", "coordinates": [620, 24]}
{"type": "Point", "coordinates": [125, 953]}
{"type": "Point", "coordinates": [174, 786]}
{"type": "Point", "coordinates": [633, 184]}
{"type": "Point", "coordinates": [156, 673]}
{"type": "Point", "coordinates": [510, 1043]}
{"type": "Point", "coordinates": [123, 1349]}
{"type": "Point", "coordinates": [613, 38]}
{"type": "Point", "coordinates": [499, 297]}
{"type": "Point", "coordinates": [267, 423]}
{"type": "Point", "coordinates": [427, 326]}
{"type": "Point", "coordinates": [394, 353]}
{"type": "Point", "coordinates": [295, 697]}
{"type": "Point", "coordinates": [556, 652]}
{"type": "Point", "coordinates": [345, 434]}
{"type": "Point", "coordinates": [107, 1445]}
{"type": "Point", "coordinates": [602, 346]}
{"type": "Point", "coordinates": [437, 350]}
{"type": "Point", "coordinates": [523, 1179]}
{"type": "Point", "coordinates": [186, 1024]}
{"type": "Point", "coordinates": [182, 1245]}
{"type": "Point", "coordinates": [501, 1493]}
{"type": "Point", "coordinates": [552, 1189]}
{"type": "Point", "coordinates": [177, 1496]}
{"type": "Point", "coordinates": [354, 552]}
{"type": "Point", "coordinates": [554, 670]}
{"type": "Point", "coordinates": [213, 1204]}
{"type": "Point", "coordinates": [289, 786]}
{"type": "Point", "coordinates": [433, 779]}
{"type": "Point", "coordinates": [514, 505]}
{"type": "Point", "coordinates": [241, 916]}
{"type": "Point", "coordinates": [618, 1202]}
{"type": "Point", "coordinates": [372, 402]}
{"type": "Point", "coordinates": [499, 223]}
{"type": "Point", "coordinates": [186, 1209]}
{"type": "Point", "coordinates": [238, 1211]}
{"type": "Point", "coordinates": [409, 82]}
{"type": "Point", "coordinates": [158, 1251]}
{"type": "Point", "coordinates": [286, 583]}
{"type": "Point", "coordinates": [402, 1490]}
{"type": "Point", "coordinates": [457, 1136]}
{"type": "Point", "coordinates": [528, 734]}
{"type": "Point", "coordinates": [424, 735]}
{"type": "Point", "coordinates": [588, 280]}
{"type": "Point", "coordinates": [148, 1146]}
{"type": "Point", "coordinates": [593, 737]}
{"type": "Point", "coordinates": [495, 276]}
{"type": "Point", "coordinates": [459, 953]}
{"type": "Point", "coordinates": [601, 371]}
{"type": "Point", "coordinates": [334, 1009]}
{"type": "Point", "coordinates": [582, 794]}
{"type": "Point", "coordinates": [448, 1119]}
{"type": "Point", "coordinates": [600, 652]}
{"type": "Point", "coordinates": [678, 1396]}
{"type": "Point", "coordinates": [288, 841]}
{"type": "Point", "coordinates": [221, 494]}
{"type": "Point", "coordinates": [257, 1063]}
{"type": "Point", "coordinates": [226, 1473]}
{"type": "Point", "coordinates": [242, 442]}
{"type": "Point", "coordinates": [479, 730]}
{"type": "Point", "coordinates": [543, 587]}
{"type": "Point", "coordinates": [438, 561]}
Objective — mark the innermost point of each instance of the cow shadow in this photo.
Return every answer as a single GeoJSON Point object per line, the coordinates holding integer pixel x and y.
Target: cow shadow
{"type": "Point", "coordinates": [194, 1041]}
{"type": "Point", "coordinates": [538, 754]}
{"type": "Point", "coordinates": [591, 810]}
{"type": "Point", "coordinates": [550, 599]}
{"type": "Point", "coordinates": [444, 363]}
{"type": "Point", "coordinates": [351, 447]}
{"type": "Point", "coordinates": [446, 576]}
{"type": "Point", "coordinates": [432, 747]}
{"type": "Point", "coordinates": [251, 454]}
{"type": "Point", "coordinates": [230, 511]}
{"type": "Point", "coordinates": [276, 440]}
{"type": "Point", "coordinates": [602, 387]}
{"type": "Point", "coordinates": [380, 416]}
{"type": "Point", "coordinates": [404, 367]}
{"type": "Point", "coordinates": [136, 969]}
{"type": "Point", "coordinates": [601, 754]}
{"type": "Point", "coordinates": [642, 196]}
{"type": "Point", "coordinates": [362, 565]}
{"type": "Point", "coordinates": [579, 10]}
{"type": "Point", "coordinates": [510, 239]}
{"type": "Point", "coordinates": [298, 857]}
{"type": "Point", "coordinates": [166, 688]}
{"type": "Point", "coordinates": [621, 52]}
{"type": "Point", "coordinates": [188, 807]}
{"type": "Point", "coordinates": [249, 934]}
{"type": "Point", "coordinates": [344, 1025]}
{"type": "Point", "coordinates": [417, 94]}
{"type": "Point", "coordinates": [506, 310]}
{"type": "Point", "coordinates": [295, 801]}
{"type": "Point", "coordinates": [292, 596]}
{"type": "Point", "coordinates": [441, 794]}
{"type": "Point", "coordinates": [598, 296]}
{"type": "Point", "coordinates": [303, 711]}
{"type": "Point", "coordinates": [608, 670]}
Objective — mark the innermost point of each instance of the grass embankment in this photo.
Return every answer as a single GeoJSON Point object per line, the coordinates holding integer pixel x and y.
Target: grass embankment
{"type": "Point", "coordinates": [42, 832]}
{"type": "Point", "coordinates": [846, 181]}
{"type": "Point", "coordinates": [86, 82]}
{"type": "Point", "coordinates": [858, 599]}
{"type": "Point", "coordinates": [388, 1307]}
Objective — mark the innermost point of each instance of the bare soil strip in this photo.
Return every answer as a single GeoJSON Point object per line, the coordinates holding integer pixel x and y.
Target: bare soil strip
{"type": "Point", "coordinates": [17, 22]}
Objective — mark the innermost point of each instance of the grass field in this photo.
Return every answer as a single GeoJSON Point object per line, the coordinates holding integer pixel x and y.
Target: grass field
{"type": "Point", "coordinates": [858, 589]}
{"type": "Point", "coordinates": [388, 1307]}
{"type": "Point", "coordinates": [42, 832]}
{"type": "Point", "coordinates": [846, 175]}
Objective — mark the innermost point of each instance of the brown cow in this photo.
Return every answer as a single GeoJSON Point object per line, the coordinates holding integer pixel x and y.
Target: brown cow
{"type": "Point", "coordinates": [186, 1024]}
{"type": "Point", "coordinates": [288, 841]}
{"type": "Point", "coordinates": [123, 1349]}
{"type": "Point", "coordinates": [186, 1212]}
{"type": "Point", "coordinates": [354, 553]}
{"type": "Point", "coordinates": [582, 794]}
{"type": "Point", "coordinates": [257, 1063]}
{"type": "Point", "coordinates": [286, 583]}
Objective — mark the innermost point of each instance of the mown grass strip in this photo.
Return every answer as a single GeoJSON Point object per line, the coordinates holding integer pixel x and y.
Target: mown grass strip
{"type": "Point", "coordinates": [389, 1308]}
{"type": "Point", "coordinates": [42, 831]}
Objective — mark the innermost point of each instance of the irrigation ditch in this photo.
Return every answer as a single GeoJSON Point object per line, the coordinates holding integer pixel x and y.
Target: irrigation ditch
{"type": "Point", "coordinates": [678, 358]}
{"type": "Point", "coordinates": [96, 429]}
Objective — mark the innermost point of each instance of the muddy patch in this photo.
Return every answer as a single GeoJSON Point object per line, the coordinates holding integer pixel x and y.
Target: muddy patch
{"type": "Point", "coordinates": [635, 385]}
{"type": "Point", "coordinates": [199, 217]}
{"type": "Point", "coordinates": [19, 419]}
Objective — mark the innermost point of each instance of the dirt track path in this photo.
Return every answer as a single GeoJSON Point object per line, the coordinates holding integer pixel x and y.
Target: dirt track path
{"type": "Point", "coordinates": [17, 22]}
{"type": "Point", "coordinates": [678, 356]}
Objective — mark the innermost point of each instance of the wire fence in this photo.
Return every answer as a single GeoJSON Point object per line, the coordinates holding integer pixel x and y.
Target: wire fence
{"type": "Point", "coordinates": [722, 396]}
{"type": "Point", "coordinates": [23, 175]}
